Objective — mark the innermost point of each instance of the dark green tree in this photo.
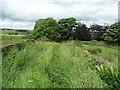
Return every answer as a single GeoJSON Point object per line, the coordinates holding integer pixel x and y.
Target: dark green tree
{"type": "Point", "coordinates": [113, 33]}
{"type": "Point", "coordinates": [68, 24]}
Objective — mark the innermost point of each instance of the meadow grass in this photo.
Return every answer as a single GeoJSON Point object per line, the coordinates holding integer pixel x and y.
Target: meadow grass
{"type": "Point", "coordinates": [49, 65]}
{"type": "Point", "coordinates": [108, 73]}
{"type": "Point", "coordinates": [0, 69]}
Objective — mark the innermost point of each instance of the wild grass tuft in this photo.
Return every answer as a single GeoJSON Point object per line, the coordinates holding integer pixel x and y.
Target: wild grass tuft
{"type": "Point", "coordinates": [109, 74]}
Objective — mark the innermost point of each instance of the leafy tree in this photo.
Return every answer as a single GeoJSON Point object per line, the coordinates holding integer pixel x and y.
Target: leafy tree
{"type": "Point", "coordinates": [68, 24]}
{"type": "Point", "coordinates": [82, 32]}
{"type": "Point", "coordinates": [113, 33]}
{"type": "Point", "coordinates": [47, 28]}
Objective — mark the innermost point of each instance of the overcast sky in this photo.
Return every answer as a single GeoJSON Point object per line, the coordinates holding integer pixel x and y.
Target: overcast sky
{"type": "Point", "coordinates": [22, 14]}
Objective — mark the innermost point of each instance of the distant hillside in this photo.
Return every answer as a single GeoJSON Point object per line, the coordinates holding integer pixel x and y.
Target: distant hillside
{"type": "Point", "coordinates": [20, 30]}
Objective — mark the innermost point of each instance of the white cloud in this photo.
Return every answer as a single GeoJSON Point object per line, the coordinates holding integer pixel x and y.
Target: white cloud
{"type": "Point", "coordinates": [16, 24]}
{"type": "Point", "coordinates": [24, 11]}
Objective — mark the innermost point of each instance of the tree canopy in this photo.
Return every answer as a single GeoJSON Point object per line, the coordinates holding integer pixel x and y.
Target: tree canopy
{"type": "Point", "coordinates": [68, 24]}
{"type": "Point", "coordinates": [68, 28]}
{"type": "Point", "coordinates": [113, 33]}
{"type": "Point", "coordinates": [47, 28]}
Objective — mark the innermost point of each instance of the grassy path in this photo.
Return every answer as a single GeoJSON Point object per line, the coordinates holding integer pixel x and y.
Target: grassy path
{"type": "Point", "coordinates": [49, 65]}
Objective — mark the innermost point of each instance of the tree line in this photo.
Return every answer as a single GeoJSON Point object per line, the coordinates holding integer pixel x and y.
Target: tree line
{"type": "Point", "coordinates": [68, 28]}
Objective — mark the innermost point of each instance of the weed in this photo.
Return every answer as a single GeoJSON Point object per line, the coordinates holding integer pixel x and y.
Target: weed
{"type": "Point", "coordinates": [109, 74]}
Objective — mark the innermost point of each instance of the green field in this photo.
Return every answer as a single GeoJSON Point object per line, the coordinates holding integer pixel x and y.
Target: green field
{"type": "Point", "coordinates": [13, 32]}
{"type": "Point", "coordinates": [6, 38]}
{"type": "Point", "coordinates": [58, 65]}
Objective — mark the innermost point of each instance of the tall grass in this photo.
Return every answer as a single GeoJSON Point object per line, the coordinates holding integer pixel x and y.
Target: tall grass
{"type": "Point", "coordinates": [109, 74]}
{"type": "Point", "coordinates": [0, 69]}
{"type": "Point", "coordinates": [49, 65]}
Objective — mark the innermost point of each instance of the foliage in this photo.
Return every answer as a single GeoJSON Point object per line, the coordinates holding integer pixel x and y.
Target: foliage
{"type": "Point", "coordinates": [64, 32]}
{"type": "Point", "coordinates": [110, 75]}
{"type": "Point", "coordinates": [68, 23]}
{"type": "Point", "coordinates": [47, 28]}
{"type": "Point", "coordinates": [113, 33]}
{"type": "Point", "coordinates": [82, 33]}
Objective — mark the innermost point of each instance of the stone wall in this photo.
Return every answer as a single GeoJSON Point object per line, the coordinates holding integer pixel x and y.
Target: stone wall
{"type": "Point", "coordinates": [4, 50]}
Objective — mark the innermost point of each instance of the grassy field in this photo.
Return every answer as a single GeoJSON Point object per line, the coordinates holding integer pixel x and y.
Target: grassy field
{"type": "Point", "coordinates": [57, 65]}
{"type": "Point", "coordinates": [6, 39]}
{"type": "Point", "coordinates": [13, 32]}
{"type": "Point", "coordinates": [11, 39]}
